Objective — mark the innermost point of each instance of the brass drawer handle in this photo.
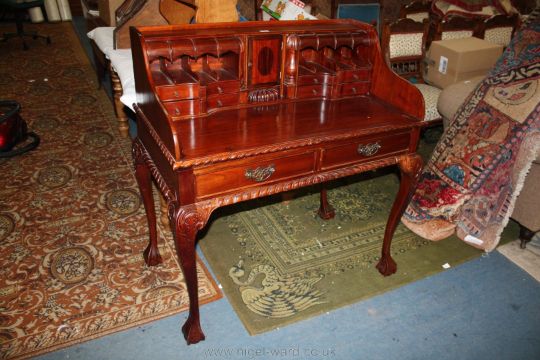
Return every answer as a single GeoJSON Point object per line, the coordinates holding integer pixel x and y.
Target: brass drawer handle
{"type": "Point", "coordinates": [219, 89]}
{"type": "Point", "coordinates": [355, 77]}
{"type": "Point", "coordinates": [316, 81]}
{"type": "Point", "coordinates": [260, 174]}
{"type": "Point", "coordinates": [368, 149]}
{"type": "Point", "coordinates": [353, 90]}
{"type": "Point", "coordinates": [314, 91]}
{"type": "Point", "coordinates": [177, 111]}
{"type": "Point", "coordinates": [219, 103]}
{"type": "Point", "coordinates": [176, 94]}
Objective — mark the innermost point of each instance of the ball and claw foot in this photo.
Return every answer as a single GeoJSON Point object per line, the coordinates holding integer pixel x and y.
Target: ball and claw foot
{"type": "Point", "coordinates": [192, 331]}
{"type": "Point", "coordinates": [387, 266]}
{"type": "Point", "coordinates": [326, 213]}
{"type": "Point", "coordinates": [152, 256]}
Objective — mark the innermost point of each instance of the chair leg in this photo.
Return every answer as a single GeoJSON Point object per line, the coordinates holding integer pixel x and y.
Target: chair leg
{"type": "Point", "coordinates": [19, 22]}
{"type": "Point", "coordinates": [525, 235]}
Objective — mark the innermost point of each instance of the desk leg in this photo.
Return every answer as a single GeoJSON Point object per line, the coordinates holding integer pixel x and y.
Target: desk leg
{"type": "Point", "coordinates": [326, 211]}
{"type": "Point", "coordinates": [188, 220]}
{"type": "Point", "coordinates": [143, 176]}
{"type": "Point", "coordinates": [410, 167]}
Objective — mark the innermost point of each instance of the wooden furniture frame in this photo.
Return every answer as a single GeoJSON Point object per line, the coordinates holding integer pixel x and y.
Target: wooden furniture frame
{"type": "Point", "coordinates": [410, 65]}
{"type": "Point", "coordinates": [455, 24]}
{"type": "Point", "coordinates": [236, 111]}
{"type": "Point", "coordinates": [416, 10]}
{"type": "Point", "coordinates": [498, 22]}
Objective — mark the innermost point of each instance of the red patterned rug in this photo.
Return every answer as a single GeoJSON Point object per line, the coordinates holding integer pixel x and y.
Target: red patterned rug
{"type": "Point", "coordinates": [72, 227]}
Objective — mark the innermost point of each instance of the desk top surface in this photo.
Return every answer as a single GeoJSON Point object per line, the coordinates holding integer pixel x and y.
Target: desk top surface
{"type": "Point", "coordinates": [291, 124]}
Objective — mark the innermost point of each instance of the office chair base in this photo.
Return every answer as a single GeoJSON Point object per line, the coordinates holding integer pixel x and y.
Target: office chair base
{"type": "Point", "coordinates": [33, 35]}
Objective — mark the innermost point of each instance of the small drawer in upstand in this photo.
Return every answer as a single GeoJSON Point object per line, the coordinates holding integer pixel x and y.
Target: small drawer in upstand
{"type": "Point", "coordinates": [223, 87]}
{"type": "Point", "coordinates": [181, 108]}
{"type": "Point", "coordinates": [178, 92]}
{"type": "Point", "coordinates": [354, 75]}
{"type": "Point", "coordinates": [312, 91]}
{"type": "Point", "coordinates": [365, 149]}
{"type": "Point", "coordinates": [320, 79]}
{"type": "Point", "coordinates": [255, 172]}
{"type": "Point", "coordinates": [218, 101]}
{"type": "Point", "coordinates": [352, 89]}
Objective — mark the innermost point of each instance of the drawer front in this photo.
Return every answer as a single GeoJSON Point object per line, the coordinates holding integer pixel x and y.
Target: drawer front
{"type": "Point", "coordinates": [364, 149]}
{"type": "Point", "coordinates": [322, 79]}
{"type": "Point", "coordinates": [185, 107]}
{"type": "Point", "coordinates": [243, 174]}
{"type": "Point", "coordinates": [223, 87]}
{"type": "Point", "coordinates": [217, 101]}
{"type": "Point", "coordinates": [178, 92]}
{"type": "Point", "coordinates": [352, 89]}
{"type": "Point", "coordinates": [354, 75]}
{"type": "Point", "coordinates": [312, 91]}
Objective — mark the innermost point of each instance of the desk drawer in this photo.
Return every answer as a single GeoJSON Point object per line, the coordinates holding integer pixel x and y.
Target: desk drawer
{"type": "Point", "coordinates": [223, 87]}
{"type": "Point", "coordinates": [352, 89]}
{"type": "Point", "coordinates": [217, 101]}
{"type": "Point", "coordinates": [322, 79]}
{"type": "Point", "coordinates": [178, 92]}
{"type": "Point", "coordinates": [354, 75]}
{"type": "Point", "coordinates": [364, 149]}
{"type": "Point", "coordinates": [312, 91]}
{"type": "Point", "coordinates": [185, 107]}
{"type": "Point", "coordinates": [261, 171]}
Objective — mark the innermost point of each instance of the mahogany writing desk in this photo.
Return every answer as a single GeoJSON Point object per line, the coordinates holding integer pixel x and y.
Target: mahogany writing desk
{"type": "Point", "coordinates": [232, 112]}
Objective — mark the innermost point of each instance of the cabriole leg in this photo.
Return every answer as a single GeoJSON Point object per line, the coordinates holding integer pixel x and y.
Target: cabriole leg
{"type": "Point", "coordinates": [187, 222]}
{"type": "Point", "coordinates": [410, 167]}
{"type": "Point", "coordinates": [144, 180]}
{"type": "Point", "coordinates": [326, 211]}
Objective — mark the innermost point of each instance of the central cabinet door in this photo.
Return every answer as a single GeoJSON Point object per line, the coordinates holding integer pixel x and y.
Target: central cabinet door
{"type": "Point", "coordinates": [265, 55]}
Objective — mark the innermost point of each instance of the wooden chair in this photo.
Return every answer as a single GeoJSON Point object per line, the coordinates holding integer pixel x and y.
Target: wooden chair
{"type": "Point", "coordinates": [498, 29]}
{"type": "Point", "coordinates": [404, 46]}
{"type": "Point", "coordinates": [416, 10]}
{"type": "Point", "coordinates": [455, 27]}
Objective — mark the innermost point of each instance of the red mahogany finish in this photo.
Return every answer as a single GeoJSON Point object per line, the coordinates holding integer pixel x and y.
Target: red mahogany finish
{"type": "Point", "coordinates": [232, 112]}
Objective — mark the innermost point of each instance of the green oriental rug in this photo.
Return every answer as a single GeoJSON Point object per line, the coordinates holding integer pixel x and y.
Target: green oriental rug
{"type": "Point", "coordinates": [279, 263]}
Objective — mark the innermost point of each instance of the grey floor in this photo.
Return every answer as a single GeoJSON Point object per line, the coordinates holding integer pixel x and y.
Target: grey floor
{"type": "Point", "coordinates": [487, 308]}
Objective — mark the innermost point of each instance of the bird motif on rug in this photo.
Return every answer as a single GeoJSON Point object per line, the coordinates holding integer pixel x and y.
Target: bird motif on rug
{"type": "Point", "coordinates": [277, 296]}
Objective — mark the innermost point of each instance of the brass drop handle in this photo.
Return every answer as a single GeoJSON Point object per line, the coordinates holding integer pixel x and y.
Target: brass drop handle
{"type": "Point", "coordinates": [219, 89]}
{"type": "Point", "coordinates": [314, 91]}
{"type": "Point", "coordinates": [368, 149]}
{"type": "Point", "coordinates": [176, 111]}
{"type": "Point", "coordinates": [176, 94]}
{"type": "Point", "coordinates": [219, 103]}
{"type": "Point", "coordinates": [355, 77]}
{"type": "Point", "coordinates": [354, 90]}
{"type": "Point", "coordinates": [316, 81]}
{"type": "Point", "coordinates": [260, 174]}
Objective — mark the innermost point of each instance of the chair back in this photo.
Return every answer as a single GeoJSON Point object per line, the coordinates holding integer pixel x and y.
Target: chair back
{"type": "Point", "coordinates": [416, 10]}
{"type": "Point", "coordinates": [499, 29]}
{"type": "Point", "coordinates": [404, 46]}
{"type": "Point", "coordinates": [456, 27]}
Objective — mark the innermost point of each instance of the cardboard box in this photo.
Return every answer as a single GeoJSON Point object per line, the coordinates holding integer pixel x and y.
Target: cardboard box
{"type": "Point", "coordinates": [107, 9]}
{"type": "Point", "coordinates": [450, 61]}
{"type": "Point", "coordinates": [286, 10]}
